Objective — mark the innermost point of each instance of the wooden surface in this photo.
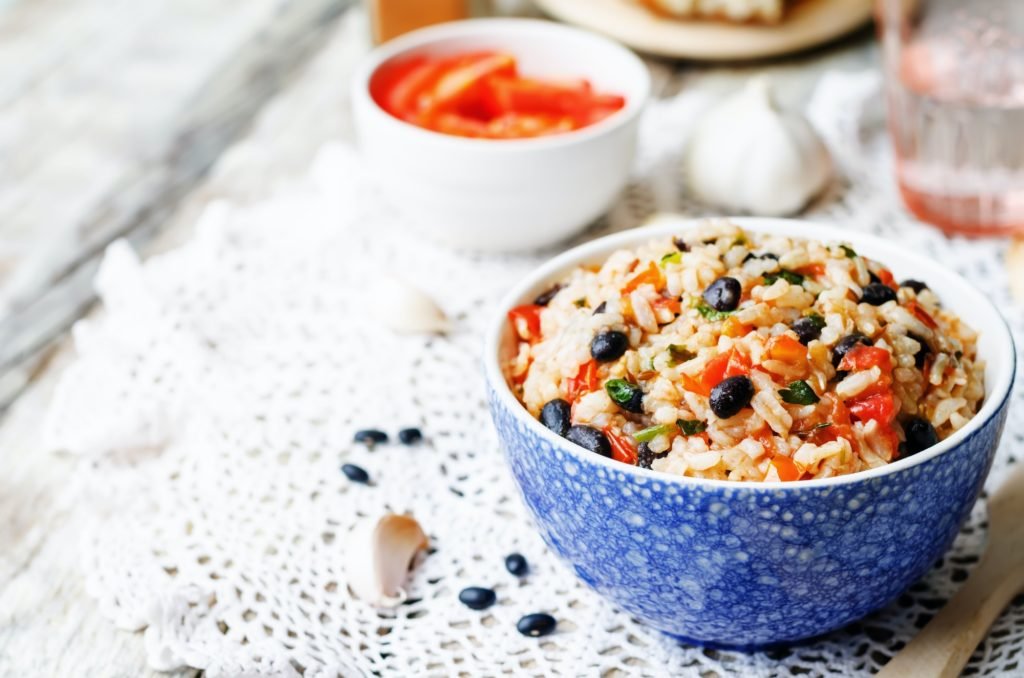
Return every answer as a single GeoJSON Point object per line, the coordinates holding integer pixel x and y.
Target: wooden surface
{"type": "Point", "coordinates": [808, 23]}
{"type": "Point", "coordinates": [48, 624]}
{"type": "Point", "coordinates": [943, 647]}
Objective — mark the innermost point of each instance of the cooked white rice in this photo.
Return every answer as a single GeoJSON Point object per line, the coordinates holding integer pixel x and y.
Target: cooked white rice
{"type": "Point", "coordinates": [916, 363]}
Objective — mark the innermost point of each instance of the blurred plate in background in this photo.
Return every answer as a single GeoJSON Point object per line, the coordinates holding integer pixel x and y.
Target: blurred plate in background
{"type": "Point", "coordinates": [807, 23]}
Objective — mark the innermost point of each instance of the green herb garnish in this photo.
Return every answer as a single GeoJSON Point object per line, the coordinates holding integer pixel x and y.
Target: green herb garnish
{"type": "Point", "coordinates": [848, 251]}
{"type": "Point", "coordinates": [580, 303]}
{"type": "Point", "coordinates": [741, 240]}
{"type": "Point", "coordinates": [799, 393]}
{"type": "Point", "coordinates": [671, 258]}
{"type": "Point", "coordinates": [648, 434]}
{"type": "Point", "coordinates": [679, 354]}
{"type": "Point", "coordinates": [626, 395]}
{"type": "Point", "coordinates": [710, 313]}
{"type": "Point", "coordinates": [691, 427]}
{"type": "Point", "coordinates": [816, 427]}
{"type": "Point", "coordinates": [789, 276]}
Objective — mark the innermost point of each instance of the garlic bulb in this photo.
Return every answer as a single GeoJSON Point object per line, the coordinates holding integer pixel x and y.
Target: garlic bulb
{"type": "Point", "coordinates": [748, 156]}
{"type": "Point", "coordinates": [379, 554]}
{"type": "Point", "coordinates": [406, 309]}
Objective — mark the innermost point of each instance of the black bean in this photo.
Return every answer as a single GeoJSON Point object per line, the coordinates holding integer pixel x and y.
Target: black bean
{"type": "Point", "coordinates": [731, 396]}
{"type": "Point", "coordinates": [590, 439]}
{"type": "Point", "coordinates": [410, 436]}
{"type": "Point", "coordinates": [845, 344]}
{"type": "Point", "coordinates": [645, 456]}
{"type": "Point", "coordinates": [601, 307]}
{"type": "Point", "coordinates": [877, 294]}
{"type": "Point", "coordinates": [922, 353]}
{"type": "Point", "coordinates": [370, 437]}
{"type": "Point", "coordinates": [915, 285]}
{"type": "Point", "coordinates": [680, 244]}
{"type": "Point", "coordinates": [873, 278]}
{"type": "Point", "coordinates": [537, 624]}
{"type": "Point", "coordinates": [920, 435]}
{"type": "Point", "coordinates": [608, 346]}
{"type": "Point", "coordinates": [555, 415]}
{"type": "Point", "coordinates": [724, 294]}
{"type": "Point", "coordinates": [763, 255]}
{"type": "Point", "coordinates": [807, 329]}
{"type": "Point", "coordinates": [544, 298]}
{"type": "Point", "coordinates": [357, 474]}
{"type": "Point", "coordinates": [516, 564]}
{"type": "Point", "coordinates": [626, 395]}
{"type": "Point", "coordinates": [477, 597]}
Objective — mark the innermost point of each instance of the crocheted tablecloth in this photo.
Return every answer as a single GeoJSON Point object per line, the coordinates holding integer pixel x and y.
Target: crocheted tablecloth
{"type": "Point", "coordinates": [216, 394]}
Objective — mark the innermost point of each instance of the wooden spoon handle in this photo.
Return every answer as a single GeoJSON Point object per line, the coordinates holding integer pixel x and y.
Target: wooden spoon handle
{"type": "Point", "coordinates": [942, 649]}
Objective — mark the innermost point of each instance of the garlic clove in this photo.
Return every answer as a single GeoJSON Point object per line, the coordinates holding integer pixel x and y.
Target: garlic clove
{"type": "Point", "coordinates": [380, 554]}
{"type": "Point", "coordinates": [406, 309]}
{"type": "Point", "coordinates": [747, 155]}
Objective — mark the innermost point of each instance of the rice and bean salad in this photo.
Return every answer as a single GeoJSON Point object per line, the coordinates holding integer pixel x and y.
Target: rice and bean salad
{"type": "Point", "coordinates": [742, 356]}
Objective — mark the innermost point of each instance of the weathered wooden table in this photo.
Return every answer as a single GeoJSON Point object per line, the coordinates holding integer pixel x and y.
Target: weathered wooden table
{"type": "Point", "coordinates": [122, 119]}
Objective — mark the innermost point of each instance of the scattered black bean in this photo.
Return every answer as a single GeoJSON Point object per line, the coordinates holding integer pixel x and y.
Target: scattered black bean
{"type": "Point", "coordinates": [590, 439]}
{"type": "Point", "coordinates": [808, 328]}
{"type": "Point", "coordinates": [763, 255]}
{"type": "Point", "coordinates": [724, 294]}
{"type": "Point", "coordinates": [357, 474]}
{"type": "Point", "coordinates": [516, 564]}
{"type": "Point", "coordinates": [922, 353]}
{"type": "Point", "coordinates": [680, 244]}
{"type": "Point", "coordinates": [537, 624]}
{"type": "Point", "coordinates": [845, 344]}
{"type": "Point", "coordinates": [608, 346]}
{"type": "Point", "coordinates": [645, 456]}
{"type": "Point", "coordinates": [370, 437]}
{"type": "Point", "coordinates": [920, 435]}
{"type": "Point", "coordinates": [731, 396]}
{"type": "Point", "coordinates": [601, 307]}
{"type": "Point", "coordinates": [410, 436]}
{"type": "Point", "coordinates": [915, 285]}
{"type": "Point", "coordinates": [544, 298]}
{"type": "Point", "coordinates": [555, 415]}
{"type": "Point", "coordinates": [877, 294]}
{"type": "Point", "coordinates": [477, 597]}
{"type": "Point", "coordinates": [874, 278]}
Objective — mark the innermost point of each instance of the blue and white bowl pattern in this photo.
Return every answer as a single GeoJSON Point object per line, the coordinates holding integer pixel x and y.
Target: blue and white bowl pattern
{"type": "Point", "coordinates": [752, 564]}
{"type": "Point", "coordinates": [742, 565]}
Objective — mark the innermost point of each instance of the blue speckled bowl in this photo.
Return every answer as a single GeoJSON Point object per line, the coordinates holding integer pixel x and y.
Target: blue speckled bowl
{"type": "Point", "coordinates": [752, 564]}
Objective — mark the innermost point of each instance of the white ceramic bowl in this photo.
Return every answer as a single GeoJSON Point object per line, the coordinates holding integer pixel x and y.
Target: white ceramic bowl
{"type": "Point", "coordinates": [505, 195]}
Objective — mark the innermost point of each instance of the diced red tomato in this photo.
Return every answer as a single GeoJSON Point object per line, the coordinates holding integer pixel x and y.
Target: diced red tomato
{"type": "Point", "coordinates": [878, 404]}
{"type": "Point", "coordinates": [812, 270]}
{"type": "Point", "coordinates": [786, 468]}
{"type": "Point", "coordinates": [862, 357]}
{"type": "Point", "coordinates": [885, 275]}
{"type": "Point", "coordinates": [480, 94]}
{"type": "Point", "coordinates": [463, 81]}
{"type": "Point", "coordinates": [724, 365]}
{"type": "Point", "coordinates": [622, 450]}
{"type": "Point", "coordinates": [839, 420]}
{"type": "Point", "coordinates": [786, 349]}
{"type": "Point", "coordinates": [398, 86]}
{"type": "Point", "coordinates": [584, 382]}
{"type": "Point", "coordinates": [525, 321]}
{"type": "Point", "coordinates": [650, 275]}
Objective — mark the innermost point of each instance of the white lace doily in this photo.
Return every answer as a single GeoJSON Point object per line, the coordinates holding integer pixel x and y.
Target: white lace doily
{"type": "Point", "coordinates": [216, 395]}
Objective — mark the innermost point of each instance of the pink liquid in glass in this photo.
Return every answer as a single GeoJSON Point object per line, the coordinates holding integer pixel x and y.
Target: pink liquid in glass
{"type": "Point", "coordinates": [955, 89]}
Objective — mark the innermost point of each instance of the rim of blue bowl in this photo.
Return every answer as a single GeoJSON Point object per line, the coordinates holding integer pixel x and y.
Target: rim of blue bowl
{"type": "Point", "coordinates": [440, 33]}
{"type": "Point", "coordinates": [995, 396]}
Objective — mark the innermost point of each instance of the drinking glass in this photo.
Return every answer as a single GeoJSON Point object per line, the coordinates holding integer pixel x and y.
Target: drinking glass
{"type": "Point", "coordinates": [954, 72]}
